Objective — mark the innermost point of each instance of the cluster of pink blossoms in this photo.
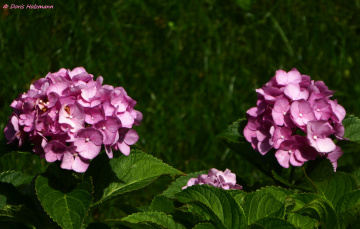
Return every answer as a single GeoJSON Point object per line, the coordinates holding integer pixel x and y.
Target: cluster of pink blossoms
{"type": "Point", "coordinates": [291, 104]}
{"type": "Point", "coordinates": [225, 180]}
{"type": "Point", "coordinates": [69, 116]}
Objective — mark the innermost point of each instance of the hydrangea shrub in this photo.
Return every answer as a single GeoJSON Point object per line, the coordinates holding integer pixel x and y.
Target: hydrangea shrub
{"type": "Point", "coordinates": [69, 116]}
{"type": "Point", "coordinates": [296, 116]}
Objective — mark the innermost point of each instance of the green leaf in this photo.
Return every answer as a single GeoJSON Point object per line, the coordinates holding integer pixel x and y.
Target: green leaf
{"type": "Point", "coordinates": [177, 185]}
{"type": "Point", "coordinates": [67, 202]}
{"type": "Point", "coordinates": [125, 173]}
{"type": "Point", "coordinates": [215, 203]}
{"type": "Point", "coordinates": [15, 178]}
{"type": "Point", "coordinates": [352, 128]}
{"type": "Point", "coordinates": [302, 221]}
{"type": "Point", "coordinates": [315, 206]}
{"type": "Point", "coordinates": [336, 186]}
{"type": "Point", "coordinates": [162, 204]}
{"type": "Point", "coordinates": [270, 222]}
{"type": "Point", "coordinates": [269, 201]}
{"type": "Point", "coordinates": [158, 218]}
{"type": "Point", "coordinates": [348, 207]}
{"type": "Point", "coordinates": [238, 195]}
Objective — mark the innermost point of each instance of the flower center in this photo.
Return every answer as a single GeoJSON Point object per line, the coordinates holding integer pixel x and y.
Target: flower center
{"type": "Point", "coordinates": [87, 139]}
{"type": "Point", "coordinates": [70, 116]}
{"type": "Point", "coordinates": [282, 136]}
{"type": "Point", "coordinates": [300, 115]}
{"type": "Point", "coordinates": [104, 128]}
{"type": "Point", "coordinates": [56, 111]}
{"type": "Point", "coordinates": [318, 110]}
{"type": "Point", "coordinates": [67, 109]}
{"type": "Point", "coordinates": [290, 151]}
{"type": "Point", "coordinates": [284, 113]}
{"type": "Point", "coordinates": [315, 137]}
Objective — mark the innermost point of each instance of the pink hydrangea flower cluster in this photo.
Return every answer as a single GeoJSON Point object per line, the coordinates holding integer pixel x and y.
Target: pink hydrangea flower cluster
{"type": "Point", "coordinates": [225, 180]}
{"type": "Point", "coordinates": [69, 116]}
{"type": "Point", "coordinates": [296, 116]}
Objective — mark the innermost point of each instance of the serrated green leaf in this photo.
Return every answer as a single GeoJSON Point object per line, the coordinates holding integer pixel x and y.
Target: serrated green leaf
{"type": "Point", "coordinates": [162, 204]}
{"type": "Point", "coordinates": [125, 173]}
{"type": "Point", "coordinates": [302, 221]}
{"type": "Point", "coordinates": [177, 185]}
{"type": "Point", "coordinates": [238, 195]}
{"type": "Point", "coordinates": [336, 186]}
{"type": "Point", "coordinates": [67, 207]}
{"type": "Point", "coordinates": [216, 203]}
{"type": "Point", "coordinates": [315, 206]}
{"type": "Point", "coordinates": [301, 199]}
{"type": "Point", "coordinates": [271, 222]}
{"type": "Point", "coordinates": [352, 128]}
{"type": "Point", "coordinates": [158, 218]}
{"type": "Point", "coordinates": [15, 178]}
{"type": "Point", "coordinates": [348, 207]}
{"type": "Point", "coordinates": [269, 201]}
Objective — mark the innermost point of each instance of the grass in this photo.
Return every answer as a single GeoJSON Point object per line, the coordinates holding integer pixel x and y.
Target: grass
{"type": "Point", "coordinates": [193, 66]}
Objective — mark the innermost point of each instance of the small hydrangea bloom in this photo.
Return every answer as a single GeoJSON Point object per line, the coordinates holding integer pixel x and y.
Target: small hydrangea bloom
{"type": "Point", "coordinates": [291, 103]}
{"type": "Point", "coordinates": [225, 180]}
{"type": "Point", "coordinates": [69, 116]}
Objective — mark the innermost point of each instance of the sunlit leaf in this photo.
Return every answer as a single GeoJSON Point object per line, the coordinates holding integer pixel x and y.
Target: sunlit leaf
{"type": "Point", "coordinates": [215, 203]}
{"type": "Point", "coordinates": [125, 173]}
{"type": "Point", "coordinates": [67, 206]}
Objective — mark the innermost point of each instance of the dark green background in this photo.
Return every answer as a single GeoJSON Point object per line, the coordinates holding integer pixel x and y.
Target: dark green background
{"type": "Point", "coordinates": [192, 66]}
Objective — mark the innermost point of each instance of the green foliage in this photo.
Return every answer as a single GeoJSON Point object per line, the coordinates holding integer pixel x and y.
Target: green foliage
{"type": "Point", "coordinates": [66, 203]}
{"type": "Point", "coordinates": [348, 207]}
{"type": "Point", "coordinates": [266, 202]}
{"type": "Point", "coordinates": [352, 128]}
{"type": "Point", "coordinates": [15, 178]}
{"type": "Point", "coordinates": [163, 204]}
{"type": "Point", "coordinates": [302, 221]}
{"type": "Point", "coordinates": [214, 204]}
{"type": "Point", "coordinates": [125, 173]}
{"type": "Point", "coordinates": [158, 218]}
{"type": "Point", "coordinates": [269, 222]}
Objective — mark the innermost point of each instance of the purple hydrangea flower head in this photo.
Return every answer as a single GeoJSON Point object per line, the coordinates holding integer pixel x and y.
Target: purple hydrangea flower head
{"type": "Point", "coordinates": [69, 116]}
{"type": "Point", "coordinates": [225, 180]}
{"type": "Point", "coordinates": [291, 103]}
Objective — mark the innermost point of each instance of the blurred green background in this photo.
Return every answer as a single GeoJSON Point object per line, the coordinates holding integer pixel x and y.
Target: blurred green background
{"type": "Point", "coordinates": [192, 66]}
